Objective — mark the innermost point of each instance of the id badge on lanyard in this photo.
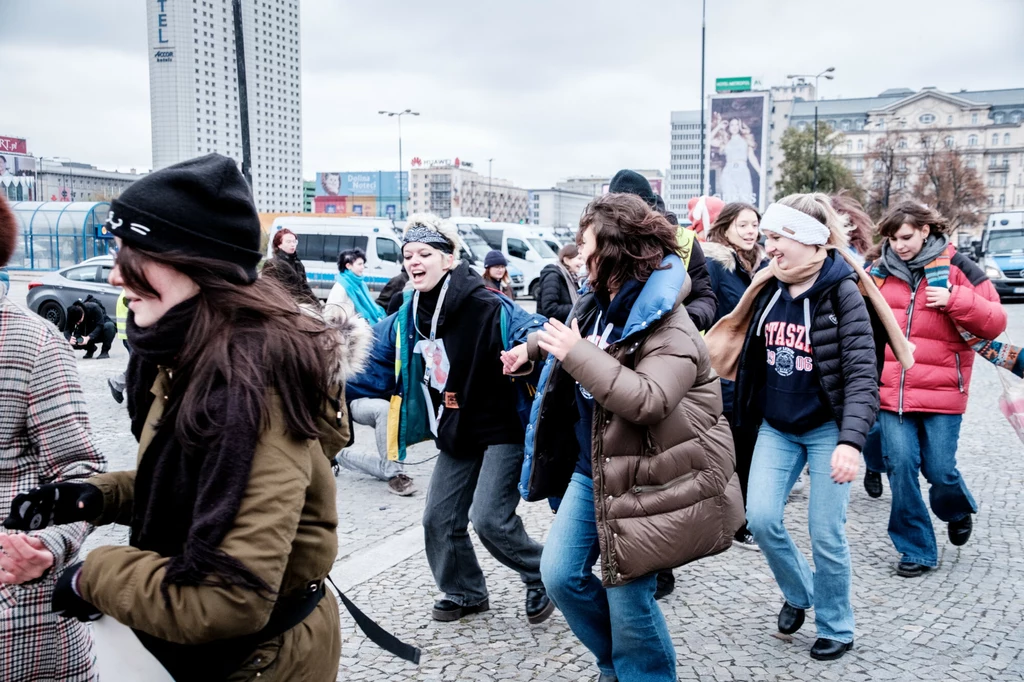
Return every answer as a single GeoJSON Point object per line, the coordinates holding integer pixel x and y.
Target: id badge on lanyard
{"type": "Point", "coordinates": [435, 358]}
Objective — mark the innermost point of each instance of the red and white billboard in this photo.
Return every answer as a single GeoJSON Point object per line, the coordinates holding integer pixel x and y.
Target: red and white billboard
{"type": "Point", "coordinates": [13, 145]}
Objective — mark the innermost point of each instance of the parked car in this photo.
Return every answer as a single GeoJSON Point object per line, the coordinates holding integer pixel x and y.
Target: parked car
{"type": "Point", "coordinates": [52, 294]}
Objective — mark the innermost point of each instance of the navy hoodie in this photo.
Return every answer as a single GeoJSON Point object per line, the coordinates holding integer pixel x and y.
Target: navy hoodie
{"type": "Point", "coordinates": [794, 401]}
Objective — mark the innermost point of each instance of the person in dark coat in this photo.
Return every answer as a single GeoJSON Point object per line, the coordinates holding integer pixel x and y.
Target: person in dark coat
{"type": "Point", "coordinates": [700, 304]}
{"type": "Point", "coordinates": [87, 325]}
{"type": "Point", "coordinates": [734, 257]}
{"type": "Point", "coordinates": [807, 378]}
{"type": "Point", "coordinates": [559, 288]}
{"type": "Point", "coordinates": [287, 269]}
{"type": "Point", "coordinates": [496, 273]}
{"type": "Point", "coordinates": [390, 297]}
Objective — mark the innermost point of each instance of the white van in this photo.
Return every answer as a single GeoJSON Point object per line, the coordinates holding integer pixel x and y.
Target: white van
{"type": "Point", "coordinates": [523, 248]}
{"type": "Point", "coordinates": [321, 240]}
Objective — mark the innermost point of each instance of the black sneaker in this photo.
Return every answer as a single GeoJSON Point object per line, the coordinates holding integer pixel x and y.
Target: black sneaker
{"type": "Point", "coordinates": [960, 531]}
{"type": "Point", "coordinates": [88, 355]}
{"type": "Point", "coordinates": [666, 583]}
{"type": "Point", "coordinates": [103, 356]}
{"type": "Point", "coordinates": [908, 569]}
{"type": "Point", "coordinates": [745, 540]}
{"type": "Point", "coordinates": [873, 484]}
{"type": "Point", "coordinates": [446, 610]}
{"type": "Point", "coordinates": [118, 393]}
{"type": "Point", "coordinates": [539, 606]}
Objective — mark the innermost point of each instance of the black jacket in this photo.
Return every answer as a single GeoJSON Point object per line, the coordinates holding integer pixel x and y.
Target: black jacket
{"type": "Point", "coordinates": [390, 297]}
{"type": "Point", "coordinates": [93, 322]}
{"type": "Point", "coordinates": [482, 410]}
{"type": "Point", "coordinates": [845, 355]}
{"type": "Point", "coordinates": [291, 273]}
{"type": "Point", "coordinates": [553, 297]}
{"type": "Point", "coordinates": [701, 303]}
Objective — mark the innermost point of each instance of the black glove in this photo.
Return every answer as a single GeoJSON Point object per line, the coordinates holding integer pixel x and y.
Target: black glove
{"type": "Point", "coordinates": [66, 603]}
{"type": "Point", "coordinates": [54, 504]}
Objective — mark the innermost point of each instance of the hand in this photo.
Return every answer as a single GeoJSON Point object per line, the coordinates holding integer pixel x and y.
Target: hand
{"type": "Point", "coordinates": [54, 503]}
{"type": "Point", "coordinates": [936, 297]}
{"type": "Point", "coordinates": [66, 601]}
{"type": "Point", "coordinates": [23, 558]}
{"type": "Point", "coordinates": [512, 360]}
{"type": "Point", "coordinates": [85, 341]}
{"type": "Point", "coordinates": [845, 463]}
{"type": "Point", "coordinates": [557, 339]}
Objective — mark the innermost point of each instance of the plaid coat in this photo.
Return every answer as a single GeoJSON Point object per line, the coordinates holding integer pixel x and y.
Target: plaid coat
{"type": "Point", "coordinates": [44, 437]}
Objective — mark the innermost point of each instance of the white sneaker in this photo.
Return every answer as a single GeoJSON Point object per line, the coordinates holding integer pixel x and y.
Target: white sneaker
{"type": "Point", "coordinates": [801, 483]}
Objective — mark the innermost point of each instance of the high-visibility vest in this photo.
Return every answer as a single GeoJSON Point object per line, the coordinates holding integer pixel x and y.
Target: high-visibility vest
{"type": "Point", "coordinates": [122, 316]}
{"type": "Point", "coordinates": [685, 238]}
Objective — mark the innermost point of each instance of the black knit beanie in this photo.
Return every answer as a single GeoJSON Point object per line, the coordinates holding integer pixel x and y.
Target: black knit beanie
{"type": "Point", "coordinates": [631, 182]}
{"type": "Point", "coordinates": [201, 207]}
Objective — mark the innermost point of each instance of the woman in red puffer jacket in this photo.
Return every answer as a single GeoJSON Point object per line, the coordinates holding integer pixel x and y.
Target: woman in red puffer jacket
{"type": "Point", "coordinates": [936, 294]}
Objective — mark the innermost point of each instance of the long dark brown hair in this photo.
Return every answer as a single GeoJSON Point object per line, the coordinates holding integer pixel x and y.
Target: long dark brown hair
{"type": "Point", "coordinates": [750, 260]}
{"type": "Point", "coordinates": [252, 338]}
{"type": "Point", "coordinates": [913, 214]}
{"type": "Point", "coordinates": [632, 240]}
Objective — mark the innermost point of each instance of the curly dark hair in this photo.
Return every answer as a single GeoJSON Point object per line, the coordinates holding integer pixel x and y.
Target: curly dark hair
{"type": "Point", "coordinates": [632, 240]}
{"type": "Point", "coordinates": [914, 214]}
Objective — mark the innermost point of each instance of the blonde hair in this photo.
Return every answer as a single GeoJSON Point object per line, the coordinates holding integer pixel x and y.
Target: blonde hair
{"type": "Point", "coordinates": [819, 207]}
{"type": "Point", "coordinates": [443, 227]}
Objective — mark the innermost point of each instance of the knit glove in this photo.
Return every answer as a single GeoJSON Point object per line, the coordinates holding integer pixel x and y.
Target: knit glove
{"type": "Point", "coordinates": [67, 602]}
{"type": "Point", "coordinates": [54, 504]}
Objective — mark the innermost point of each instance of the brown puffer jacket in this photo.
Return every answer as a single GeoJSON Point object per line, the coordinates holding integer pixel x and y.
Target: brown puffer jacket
{"type": "Point", "coordinates": [665, 490]}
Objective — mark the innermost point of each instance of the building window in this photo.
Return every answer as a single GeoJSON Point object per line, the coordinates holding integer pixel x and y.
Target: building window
{"type": "Point", "coordinates": [926, 118]}
{"type": "Point", "coordinates": [1006, 139]}
{"type": "Point", "coordinates": [1015, 117]}
{"type": "Point", "coordinates": [860, 145]}
{"type": "Point", "coordinates": [949, 141]}
{"type": "Point", "coordinates": [902, 144]}
{"type": "Point", "coordinates": [974, 119]}
{"type": "Point", "coordinates": [949, 119]}
{"type": "Point", "coordinates": [997, 117]}
{"type": "Point", "coordinates": [845, 125]}
{"type": "Point", "coordinates": [972, 141]}
{"type": "Point", "coordinates": [995, 138]}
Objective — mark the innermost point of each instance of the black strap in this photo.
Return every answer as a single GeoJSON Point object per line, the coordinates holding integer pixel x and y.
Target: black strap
{"type": "Point", "coordinates": [376, 634]}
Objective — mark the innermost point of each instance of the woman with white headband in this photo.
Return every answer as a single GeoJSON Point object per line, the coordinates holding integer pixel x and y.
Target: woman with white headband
{"type": "Point", "coordinates": [801, 348]}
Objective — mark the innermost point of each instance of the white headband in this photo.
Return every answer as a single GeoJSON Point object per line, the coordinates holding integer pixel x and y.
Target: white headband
{"type": "Point", "coordinates": [797, 225]}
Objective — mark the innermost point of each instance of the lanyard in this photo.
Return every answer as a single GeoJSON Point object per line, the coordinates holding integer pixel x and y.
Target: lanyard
{"type": "Point", "coordinates": [437, 308]}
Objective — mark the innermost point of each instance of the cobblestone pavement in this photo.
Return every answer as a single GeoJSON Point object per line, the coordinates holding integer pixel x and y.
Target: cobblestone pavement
{"type": "Point", "coordinates": [960, 622]}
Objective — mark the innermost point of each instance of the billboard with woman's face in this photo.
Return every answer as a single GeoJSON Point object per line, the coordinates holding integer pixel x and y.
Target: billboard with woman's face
{"type": "Point", "coordinates": [738, 148]}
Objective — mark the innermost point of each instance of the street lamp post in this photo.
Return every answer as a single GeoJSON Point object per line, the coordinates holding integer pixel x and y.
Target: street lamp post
{"type": "Point", "coordinates": [490, 179]}
{"type": "Point", "coordinates": [827, 73]}
{"type": "Point", "coordinates": [400, 114]}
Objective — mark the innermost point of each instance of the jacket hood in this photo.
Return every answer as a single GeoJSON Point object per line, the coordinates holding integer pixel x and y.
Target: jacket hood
{"type": "Point", "coordinates": [726, 256]}
{"type": "Point", "coordinates": [662, 292]}
{"type": "Point", "coordinates": [351, 339]}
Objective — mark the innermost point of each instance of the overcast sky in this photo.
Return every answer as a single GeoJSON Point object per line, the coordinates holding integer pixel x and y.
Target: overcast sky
{"type": "Point", "coordinates": [548, 88]}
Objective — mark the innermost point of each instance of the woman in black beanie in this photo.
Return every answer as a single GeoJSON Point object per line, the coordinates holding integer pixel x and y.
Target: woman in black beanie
{"type": "Point", "coordinates": [234, 396]}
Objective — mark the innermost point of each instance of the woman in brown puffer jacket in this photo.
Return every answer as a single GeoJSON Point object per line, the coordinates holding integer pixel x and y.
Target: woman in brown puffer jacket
{"type": "Point", "coordinates": [646, 475]}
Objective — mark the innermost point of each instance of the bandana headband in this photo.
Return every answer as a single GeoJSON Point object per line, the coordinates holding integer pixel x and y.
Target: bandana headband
{"type": "Point", "coordinates": [797, 225]}
{"type": "Point", "coordinates": [420, 234]}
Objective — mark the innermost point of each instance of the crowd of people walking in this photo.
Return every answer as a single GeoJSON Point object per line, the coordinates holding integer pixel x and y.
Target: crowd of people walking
{"type": "Point", "coordinates": [672, 387]}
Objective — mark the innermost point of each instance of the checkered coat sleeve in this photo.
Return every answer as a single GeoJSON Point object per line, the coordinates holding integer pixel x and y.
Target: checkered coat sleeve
{"type": "Point", "coordinates": [44, 437]}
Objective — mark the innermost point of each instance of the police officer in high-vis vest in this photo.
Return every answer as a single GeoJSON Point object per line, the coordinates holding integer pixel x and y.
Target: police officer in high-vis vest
{"type": "Point", "coordinates": [116, 384]}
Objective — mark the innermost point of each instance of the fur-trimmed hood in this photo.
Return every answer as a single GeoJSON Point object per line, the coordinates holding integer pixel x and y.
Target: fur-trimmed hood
{"type": "Point", "coordinates": [8, 232]}
{"type": "Point", "coordinates": [725, 255]}
{"type": "Point", "coordinates": [352, 337]}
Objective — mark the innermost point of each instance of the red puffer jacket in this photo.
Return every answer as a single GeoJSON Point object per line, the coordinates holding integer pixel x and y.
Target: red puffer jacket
{"type": "Point", "coordinates": [939, 380]}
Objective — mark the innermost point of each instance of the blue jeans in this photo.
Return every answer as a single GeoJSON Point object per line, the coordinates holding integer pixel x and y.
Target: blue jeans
{"type": "Point", "coordinates": [925, 443]}
{"type": "Point", "coordinates": [873, 450]}
{"type": "Point", "coordinates": [622, 626]}
{"type": "Point", "coordinates": [778, 460]}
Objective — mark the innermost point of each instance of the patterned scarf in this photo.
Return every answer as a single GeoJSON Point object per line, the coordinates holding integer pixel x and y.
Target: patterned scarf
{"type": "Point", "coordinates": [936, 273]}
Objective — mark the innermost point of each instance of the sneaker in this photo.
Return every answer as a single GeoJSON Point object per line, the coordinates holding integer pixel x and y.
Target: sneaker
{"type": "Point", "coordinates": [801, 483]}
{"type": "Point", "coordinates": [873, 484]}
{"type": "Point", "coordinates": [402, 485]}
{"type": "Point", "coordinates": [335, 467]}
{"type": "Point", "coordinates": [88, 355]}
{"type": "Point", "coordinates": [539, 606]}
{"type": "Point", "coordinates": [745, 540]}
{"type": "Point", "coordinates": [117, 392]}
{"type": "Point", "coordinates": [446, 610]}
{"type": "Point", "coordinates": [960, 531]}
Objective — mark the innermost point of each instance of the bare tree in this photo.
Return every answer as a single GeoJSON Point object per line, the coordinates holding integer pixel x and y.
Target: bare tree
{"type": "Point", "coordinates": [949, 185]}
{"type": "Point", "coordinates": [888, 163]}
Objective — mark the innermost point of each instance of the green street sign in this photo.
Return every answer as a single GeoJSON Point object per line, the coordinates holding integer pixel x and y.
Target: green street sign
{"type": "Point", "coordinates": [732, 84]}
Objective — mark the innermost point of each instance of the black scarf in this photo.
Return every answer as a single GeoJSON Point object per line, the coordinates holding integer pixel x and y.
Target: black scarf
{"type": "Point", "coordinates": [186, 501]}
